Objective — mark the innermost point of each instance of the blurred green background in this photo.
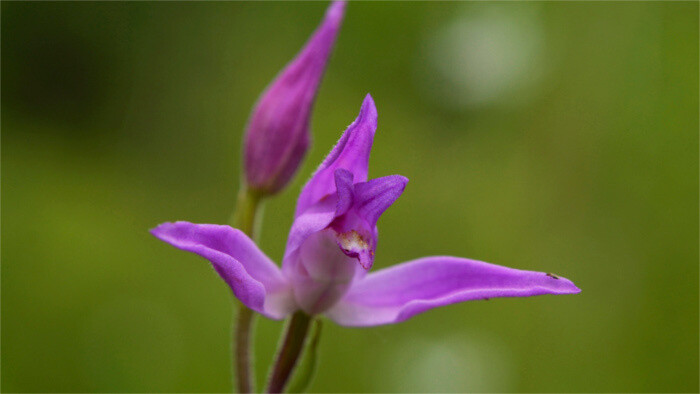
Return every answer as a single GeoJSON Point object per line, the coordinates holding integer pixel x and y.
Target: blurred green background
{"type": "Point", "coordinates": [558, 136]}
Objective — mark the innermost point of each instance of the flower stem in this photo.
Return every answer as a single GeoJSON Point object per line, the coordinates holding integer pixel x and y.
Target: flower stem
{"type": "Point", "coordinates": [243, 362]}
{"type": "Point", "coordinates": [247, 218]}
{"type": "Point", "coordinates": [289, 351]}
{"type": "Point", "coordinates": [248, 214]}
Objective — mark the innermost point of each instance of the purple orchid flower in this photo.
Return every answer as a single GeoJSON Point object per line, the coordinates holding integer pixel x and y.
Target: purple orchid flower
{"type": "Point", "coordinates": [331, 247]}
{"type": "Point", "coordinates": [277, 135]}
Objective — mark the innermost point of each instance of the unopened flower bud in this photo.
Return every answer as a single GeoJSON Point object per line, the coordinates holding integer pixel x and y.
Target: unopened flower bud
{"type": "Point", "coordinates": [277, 136]}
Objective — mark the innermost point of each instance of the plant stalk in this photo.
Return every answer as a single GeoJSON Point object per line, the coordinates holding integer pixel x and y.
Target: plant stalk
{"type": "Point", "coordinates": [289, 351]}
{"type": "Point", "coordinates": [247, 218]}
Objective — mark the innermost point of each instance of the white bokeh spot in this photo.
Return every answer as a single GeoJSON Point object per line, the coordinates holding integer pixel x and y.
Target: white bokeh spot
{"type": "Point", "coordinates": [487, 55]}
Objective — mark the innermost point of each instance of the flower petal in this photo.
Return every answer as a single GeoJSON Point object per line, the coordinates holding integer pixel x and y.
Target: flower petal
{"type": "Point", "coordinates": [345, 189]}
{"type": "Point", "coordinates": [252, 276]}
{"type": "Point", "coordinates": [372, 198]}
{"type": "Point", "coordinates": [314, 219]}
{"type": "Point", "coordinates": [321, 274]}
{"type": "Point", "coordinates": [350, 153]}
{"type": "Point", "coordinates": [395, 294]}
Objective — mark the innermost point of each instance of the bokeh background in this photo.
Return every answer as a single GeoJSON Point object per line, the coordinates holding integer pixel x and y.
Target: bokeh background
{"type": "Point", "coordinates": [558, 136]}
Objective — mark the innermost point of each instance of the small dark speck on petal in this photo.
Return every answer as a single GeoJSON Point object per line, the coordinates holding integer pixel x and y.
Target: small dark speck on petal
{"type": "Point", "coordinates": [552, 275]}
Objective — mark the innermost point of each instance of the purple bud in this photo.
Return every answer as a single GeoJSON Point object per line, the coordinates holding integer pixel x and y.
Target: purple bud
{"type": "Point", "coordinates": [277, 136]}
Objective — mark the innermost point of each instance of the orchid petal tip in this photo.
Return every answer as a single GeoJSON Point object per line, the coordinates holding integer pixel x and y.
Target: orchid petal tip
{"type": "Point", "coordinates": [368, 110]}
{"type": "Point", "coordinates": [565, 286]}
{"type": "Point", "coordinates": [368, 100]}
{"type": "Point", "coordinates": [157, 230]}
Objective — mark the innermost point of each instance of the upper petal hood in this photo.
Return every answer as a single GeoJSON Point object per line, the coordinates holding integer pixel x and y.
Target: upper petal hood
{"type": "Point", "coordinates": [350, 153]}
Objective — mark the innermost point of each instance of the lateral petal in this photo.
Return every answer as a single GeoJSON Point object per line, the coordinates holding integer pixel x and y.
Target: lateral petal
{"type": "Point", "coordinates": [254, 279]}
{"type": "Point", "coordinates": [397, 293]}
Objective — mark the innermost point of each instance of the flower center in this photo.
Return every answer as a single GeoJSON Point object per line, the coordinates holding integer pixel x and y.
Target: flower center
{"type": "Point", "coordinates": [352, 241]}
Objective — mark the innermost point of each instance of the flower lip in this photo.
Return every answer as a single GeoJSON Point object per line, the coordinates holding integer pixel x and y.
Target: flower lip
{"type": "Point", "coordinates": [358, 246]}
{"type": "Point", "coordinates": [355, 237]}
{"type": "Point", "coordinates": [351, 240]}
{"type": "Point", "coordinates": [356, 225]}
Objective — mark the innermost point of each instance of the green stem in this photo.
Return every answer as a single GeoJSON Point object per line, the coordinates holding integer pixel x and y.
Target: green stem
{"type": "Point", "coordinates": [306, 366]}
{"type": "Point", "coordinates": [246, 218]}
{"type": "Point", "coordinates": [289, 351]}
{"type": "Point", "coordinates": [243, 361]}
{"type": "Point", "coordinates": [248, 214]}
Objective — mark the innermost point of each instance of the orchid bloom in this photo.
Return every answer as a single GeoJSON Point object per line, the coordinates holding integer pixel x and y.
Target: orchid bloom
{"type": "Point", "coordinates": [331, 247]}
{"type": "Point", "coordinates": [277, 135]}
